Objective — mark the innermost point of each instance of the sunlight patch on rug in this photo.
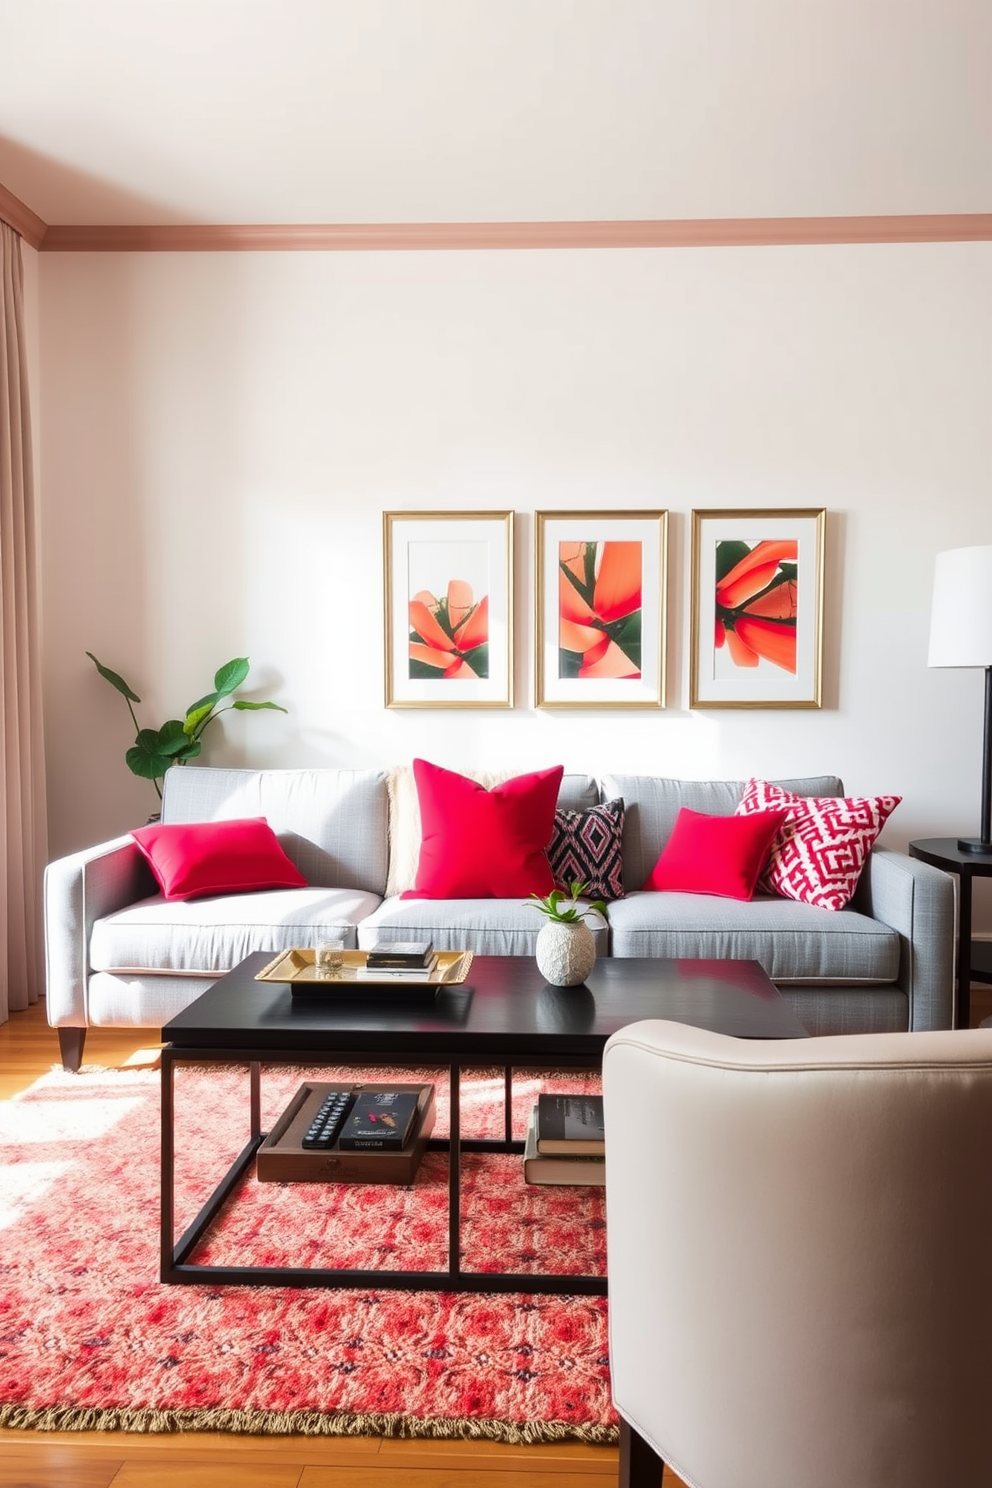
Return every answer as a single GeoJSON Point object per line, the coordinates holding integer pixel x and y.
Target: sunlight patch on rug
{"type": "Point", "coordinates": [24, 1185]}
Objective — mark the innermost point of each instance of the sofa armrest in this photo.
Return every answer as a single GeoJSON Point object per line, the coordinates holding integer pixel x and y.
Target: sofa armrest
{"type": "Point", "coordinates": [917, 901]}
{"type": "Point", "coordinates": [80, 889]}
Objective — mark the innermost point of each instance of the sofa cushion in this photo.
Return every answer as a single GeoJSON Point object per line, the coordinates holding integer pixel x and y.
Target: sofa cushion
{"type": "Point", "coordinates": [794, 942]}
{"type": "Point", "coordinates": [822, 845]}
{"type": "Point", "coordinates": [652, 802]}
{"type": "Point", "coordinates": [490, 927]}
{"type": "Point", "coordinates": [712, 855]}
{"type": "Point", "coordinates": [333, 824]}
{"type": "Point", "coordinates": [587, 847]}
{"type": "Point", "coordinates": [479, 843]}
{"type": "Point", "coordinates": [207, 936]}
{"type": "Point", "coordinates": [575, 793]}
{"type": "Point", "coordinates": [193, 859]}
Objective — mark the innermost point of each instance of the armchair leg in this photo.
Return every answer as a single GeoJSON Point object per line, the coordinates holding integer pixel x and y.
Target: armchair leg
{"type": "Point", "coordinates": [71, 1042]}
{"type": "Point", "coordinates": [640, 1465]}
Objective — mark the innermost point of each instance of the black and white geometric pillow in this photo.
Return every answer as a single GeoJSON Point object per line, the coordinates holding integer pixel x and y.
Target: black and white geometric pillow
{"type": "Point", "coordinates": [588, 846]}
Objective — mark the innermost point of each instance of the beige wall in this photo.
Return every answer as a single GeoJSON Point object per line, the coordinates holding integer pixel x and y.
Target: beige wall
{"type": "Point", "coordinates": [221, 434]}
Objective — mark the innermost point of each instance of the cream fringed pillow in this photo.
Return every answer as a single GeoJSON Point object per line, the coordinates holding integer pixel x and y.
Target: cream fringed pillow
{"type": "Point", "coordinates": [404, 823]}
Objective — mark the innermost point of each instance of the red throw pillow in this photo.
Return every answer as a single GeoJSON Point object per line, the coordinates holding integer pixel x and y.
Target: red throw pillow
{"type": "Point", "coordinates": [821, 847]}
{"type": "Point", "coordinates": [484, 844]}
{"type": "Point", "coordinates": [720, 855]}
{"type": "Point", "coordinates": [191, 859]}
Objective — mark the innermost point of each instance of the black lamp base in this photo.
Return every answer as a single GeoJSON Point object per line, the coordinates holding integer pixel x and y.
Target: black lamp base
{"type": "Point", "coordinates": [974, 845]}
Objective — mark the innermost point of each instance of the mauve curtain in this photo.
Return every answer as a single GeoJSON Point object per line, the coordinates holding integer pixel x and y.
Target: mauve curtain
{"type": "Point", "coordinates": [23, 826]}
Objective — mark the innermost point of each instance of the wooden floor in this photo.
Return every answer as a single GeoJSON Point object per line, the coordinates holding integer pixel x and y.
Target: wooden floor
{"type": "Point", "coordinates": [29, 1459]}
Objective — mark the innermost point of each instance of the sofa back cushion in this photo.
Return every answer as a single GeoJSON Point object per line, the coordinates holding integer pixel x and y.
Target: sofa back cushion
{"type": "Point", "coordinates": [333, 824]}
{"type": "Point", "coordinates": [652, 802]}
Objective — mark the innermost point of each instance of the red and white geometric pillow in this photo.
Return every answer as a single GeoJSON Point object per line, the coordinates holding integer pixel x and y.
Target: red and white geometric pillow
{"type": "Point", "coordinates": [821, 847]}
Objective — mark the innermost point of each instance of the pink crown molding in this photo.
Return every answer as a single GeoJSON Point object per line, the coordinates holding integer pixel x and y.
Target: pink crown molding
{"type": "Point", "coordinates": [21, 218]}
{"type": "Point", "coordinates": [702, 232]}
{"type": "Point", "coordinates": [686, 233]}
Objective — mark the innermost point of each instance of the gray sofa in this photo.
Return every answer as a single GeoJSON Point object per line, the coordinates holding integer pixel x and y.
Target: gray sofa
{"type": "Point", "coordinates": [118, 954]}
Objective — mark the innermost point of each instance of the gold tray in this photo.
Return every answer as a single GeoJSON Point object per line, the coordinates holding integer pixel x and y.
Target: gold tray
{"type": "Point", "coordinates": [296, 967]}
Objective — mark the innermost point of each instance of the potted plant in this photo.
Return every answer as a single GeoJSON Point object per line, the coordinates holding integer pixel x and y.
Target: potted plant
{"type": "Point", "coordinates": [566, 947]}
{"type": "Point", "coordinates": [155, 750]}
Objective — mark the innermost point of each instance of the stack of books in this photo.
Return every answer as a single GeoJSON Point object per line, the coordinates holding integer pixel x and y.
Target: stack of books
{"type": "Point", "coordinates": [566, 1141]}
{"type": "Point", "coordinates": [406, 960]}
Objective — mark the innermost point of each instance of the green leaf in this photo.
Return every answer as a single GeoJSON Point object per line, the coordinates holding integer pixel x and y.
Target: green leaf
{"type": "Point", "coordinates": [627, 634]}
{"type": "Point", "coordinates": [210, 701]}
{"type": "Point", "coordinates": [231, 675]}
{"type": "Point", "coordinates": [421, 672]}
{"type": "Point", "coordinates": [170, 739]}
{"type": "Point", "coordinates": [243, 706]}
{"type": "Point", "coordinates": [197, 715]}
{"type": "Point", "coordinates": [583, 589]}
{"type": "Point", "coordinates": [569, 663]}
{"type": "Point", "coordinates": [154, 750]}
{"type": "Point", "coordinates": [728, 555]}
{"type": "Point", "coordinates": [114, 679]}
{"type": "Point", "coordinates": [147, 766]}
{"type": "Point", "coordinates": [589, 558]}
{"type": "Point", "coordinates": [478, 660]}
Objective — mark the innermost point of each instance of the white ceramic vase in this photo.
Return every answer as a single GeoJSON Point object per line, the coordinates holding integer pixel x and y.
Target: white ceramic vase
{"type": "Point", "coordinates": [566, 953]}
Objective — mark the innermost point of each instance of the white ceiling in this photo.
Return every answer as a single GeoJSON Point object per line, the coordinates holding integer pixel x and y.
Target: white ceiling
{"type": "Point", "coordinates": [337, 111]}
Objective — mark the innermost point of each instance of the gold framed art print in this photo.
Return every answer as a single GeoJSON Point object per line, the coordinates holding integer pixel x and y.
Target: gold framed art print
{"type": "Point", "coordinates": [756, 624]}
{"type": "Point", "coordinates": [448, 582]}
{"type": "Point", "coordinates": [601, 595]}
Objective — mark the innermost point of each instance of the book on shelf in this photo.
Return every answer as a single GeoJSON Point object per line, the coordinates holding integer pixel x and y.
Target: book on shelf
{"type": "Point", "coordinates": [378, 973]}
{"type": "Point", "coordinates": [563, 1171]}
{"type": "Point", "coordinates": [405, 954]}
{"type": "Point", "coordinates": [570, 1126]}
{"type": "Point", "coordinates": [379, 1121]}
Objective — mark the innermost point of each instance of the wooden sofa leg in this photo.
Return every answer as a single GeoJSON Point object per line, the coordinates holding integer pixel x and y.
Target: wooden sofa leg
{"type": "Point", "coordinates": [640, 1465]}
{"type": "Point", "coordinates": [71, 1042]}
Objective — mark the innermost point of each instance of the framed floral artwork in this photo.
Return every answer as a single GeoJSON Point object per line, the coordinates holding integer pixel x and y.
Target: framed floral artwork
{"type": "Point", "coordinates": [757, 609]}
{"type": "Point", "coordinates": [601, 590]}
{"type": "Point", "coordinates": [448, 609]}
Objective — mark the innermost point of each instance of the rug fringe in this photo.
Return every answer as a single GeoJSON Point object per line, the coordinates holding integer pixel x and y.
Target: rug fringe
{"type": "Point", "coordinates": [301, 1423]}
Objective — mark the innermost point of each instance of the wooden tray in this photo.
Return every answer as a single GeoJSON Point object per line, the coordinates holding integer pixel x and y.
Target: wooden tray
{"type": "Point", "coordinates": [297, 968]}
{"type": "Point", "coordinates": [283, 1159]}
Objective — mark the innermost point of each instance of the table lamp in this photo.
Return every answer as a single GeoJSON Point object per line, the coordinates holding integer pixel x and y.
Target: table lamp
{"type": "Point", "coordinates": [961, 636]}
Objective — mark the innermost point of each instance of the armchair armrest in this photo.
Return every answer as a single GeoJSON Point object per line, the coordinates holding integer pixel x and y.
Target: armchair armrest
{"type": "Point", "coordinates": [80, 889]}
{"type": "Point", "coordinates": [917, 901]}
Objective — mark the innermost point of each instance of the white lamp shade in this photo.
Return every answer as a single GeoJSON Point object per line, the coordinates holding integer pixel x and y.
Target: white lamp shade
{"type": "Point", "coordinates": [961, 618]}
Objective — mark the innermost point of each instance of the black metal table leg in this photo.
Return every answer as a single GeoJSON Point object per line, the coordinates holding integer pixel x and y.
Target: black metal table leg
{"type": "Point", "coordinates": [168, 1178]}
{"type": "Point", "coordinates": [454, 1173]}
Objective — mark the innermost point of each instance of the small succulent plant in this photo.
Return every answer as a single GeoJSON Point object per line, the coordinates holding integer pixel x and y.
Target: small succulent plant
{"type": "Point", "coordinates": [563, 908]}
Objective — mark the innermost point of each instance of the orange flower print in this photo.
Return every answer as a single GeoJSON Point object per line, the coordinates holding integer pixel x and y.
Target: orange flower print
{"type": "Point", "coordinates": [599, 609]}
{"type": "Point", "coordinates": [756, 601]}
{"type": "Point", "coordinates": [449, 637]}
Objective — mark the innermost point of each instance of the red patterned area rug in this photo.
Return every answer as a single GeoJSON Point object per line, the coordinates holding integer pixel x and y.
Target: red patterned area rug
{"type": "Point", "coordinates": [89, 1338]}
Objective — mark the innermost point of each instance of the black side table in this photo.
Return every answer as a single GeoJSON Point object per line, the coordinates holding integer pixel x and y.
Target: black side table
{"type": "Point", "coordinates": [974, 956]}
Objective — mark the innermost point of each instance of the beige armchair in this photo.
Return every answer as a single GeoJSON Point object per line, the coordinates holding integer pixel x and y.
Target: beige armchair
{"type": "Point", "coordinates": [799, 1242]}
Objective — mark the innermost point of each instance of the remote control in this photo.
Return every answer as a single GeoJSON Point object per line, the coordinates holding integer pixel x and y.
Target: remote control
{"type": "Point", "coordinates": [323, 1129]}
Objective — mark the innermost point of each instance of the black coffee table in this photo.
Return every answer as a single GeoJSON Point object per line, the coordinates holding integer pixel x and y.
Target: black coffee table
{"type": "Point", "coordinates": [504, 1014]}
